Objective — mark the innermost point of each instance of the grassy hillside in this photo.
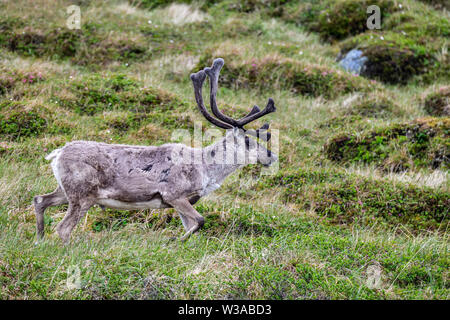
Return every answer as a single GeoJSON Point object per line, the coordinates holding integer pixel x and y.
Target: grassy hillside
{"type": "Point", "coordinates": [362, 186]}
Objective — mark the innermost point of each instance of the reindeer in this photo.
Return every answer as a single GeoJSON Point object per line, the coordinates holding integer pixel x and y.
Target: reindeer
{"type": "Point", "coordinates": [133, 177]}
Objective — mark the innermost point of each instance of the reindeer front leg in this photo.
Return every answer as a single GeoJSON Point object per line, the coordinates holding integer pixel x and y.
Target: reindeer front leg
{"type": "Point", "coordinates": [192, 220]}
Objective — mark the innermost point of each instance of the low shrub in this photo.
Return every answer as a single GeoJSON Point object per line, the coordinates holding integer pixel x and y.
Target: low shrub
{"type": "Point", "coordinates": [373, 106]}
{"type": "Point", "coordinates": [342, 19]}
{"type": "Point", "coordinates": [409, 45]}
{"type": "Point", "coordinates": [10, 78]}
{"type": "Point", "coordinates": [18, 122]}
{"type": "Point", "coordinates": [397, 147]}
{"type": "Point", "coordinates": [393, 65]}
{"type": "Point", "coordinates": [87, 46]}
{"type": "Point", "coordinates": [347, 198]}
{"type": "Point", "coordinates": [438, 4]}
{"type": "Point", "coordinates": [98, 93]}
{"type": "Point", "coordinates": [271, 8]}
{"type": "Point", "coordinates": [438, 103]}
{"type": "Point", "coordinates": [275, 72]}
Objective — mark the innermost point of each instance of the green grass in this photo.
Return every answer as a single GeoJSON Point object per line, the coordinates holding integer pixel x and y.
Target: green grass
{"type": "Point", "coordinates": [363, 161]}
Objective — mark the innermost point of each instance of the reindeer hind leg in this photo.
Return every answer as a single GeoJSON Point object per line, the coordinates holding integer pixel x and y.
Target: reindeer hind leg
{"type": "Point", "coordinates": [77, 209]}
{"type": "Point", "coordinates": [42, 202]}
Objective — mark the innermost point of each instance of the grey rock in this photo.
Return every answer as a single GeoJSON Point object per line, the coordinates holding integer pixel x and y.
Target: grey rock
{"type": "Point", "coordinates": [353, 61]}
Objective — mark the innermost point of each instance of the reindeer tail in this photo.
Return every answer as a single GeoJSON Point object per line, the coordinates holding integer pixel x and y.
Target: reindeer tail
{"type": "Point", "coordinates": [53, 154]}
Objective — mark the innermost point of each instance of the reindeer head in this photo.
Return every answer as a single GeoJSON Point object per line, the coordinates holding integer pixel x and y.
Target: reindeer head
{"type": "Point", "coordinates": [237, 136]}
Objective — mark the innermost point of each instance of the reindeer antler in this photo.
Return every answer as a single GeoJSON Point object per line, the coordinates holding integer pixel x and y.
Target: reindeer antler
{"type": "Point", "coordinates": [224, 121]}
{"type": "Point", "coordinates": [213, 74]}
{"type": "Point", "coordinates": [198, 79]}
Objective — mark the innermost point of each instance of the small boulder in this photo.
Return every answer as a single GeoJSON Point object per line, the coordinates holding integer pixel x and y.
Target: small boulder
{"type": "Point", "coordinates": [353, 61]}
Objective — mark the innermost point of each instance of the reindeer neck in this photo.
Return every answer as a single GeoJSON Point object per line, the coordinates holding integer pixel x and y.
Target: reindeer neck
{"type": "Point", "coordinates": [219, 170]}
